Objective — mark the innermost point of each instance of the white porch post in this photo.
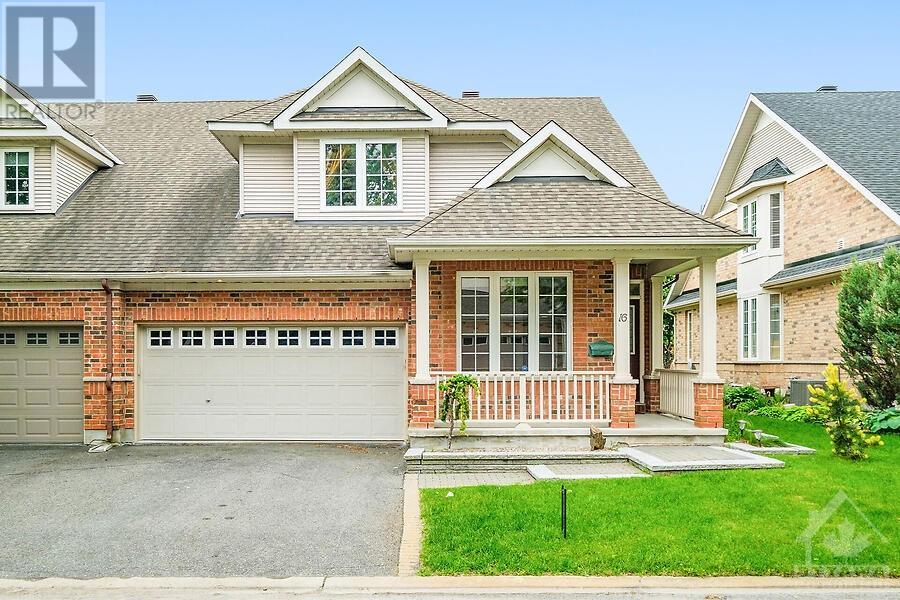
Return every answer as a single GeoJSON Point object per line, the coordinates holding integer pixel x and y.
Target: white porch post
{"type": "Point", "coordinates": [656, 324]}
{"type": "Point", "coordinates": [423, 325]}
{"type": "Point", "coordinates": [708, 368]}
{"type": "Point", "coordinates": [621, 325]}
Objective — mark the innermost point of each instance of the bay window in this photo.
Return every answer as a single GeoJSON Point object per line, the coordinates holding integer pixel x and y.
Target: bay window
{"type": "Point", "coordinates": [361, 174]}
{"type": "Point", "coordinates": [514, 322]}
{"type": "Point", "coordinates": [17, 176]}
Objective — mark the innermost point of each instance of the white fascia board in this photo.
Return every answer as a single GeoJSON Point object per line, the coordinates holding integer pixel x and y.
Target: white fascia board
{"type": "Point", "coordinates": [507, 127]}
{"type": "Point", "coordinates": [668, 305]}
{"type": "Point", "coordinates": [756, 185]}
{"type": "Point", "coordinates": [342, 125]}
{"type": "Point", "coordinates": [723, 171]}
{"type": "Point", "coordinates": [552, 131]}
{"type": "Point", "coordinates": [53, 129]}
{"type": "Point", "coordinates": [895, 217]}
{"type": "Point", "coordinates": [357, 56]}
{"type": "Point", "coordinates": [236, 127]}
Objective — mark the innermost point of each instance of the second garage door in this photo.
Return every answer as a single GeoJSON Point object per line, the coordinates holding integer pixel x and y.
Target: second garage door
{"type": "Point", "coordinates": [258, 382]}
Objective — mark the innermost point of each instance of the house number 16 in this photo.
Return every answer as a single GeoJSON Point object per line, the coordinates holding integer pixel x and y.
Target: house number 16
{"type": "Point", "coordinates": [623, 317]}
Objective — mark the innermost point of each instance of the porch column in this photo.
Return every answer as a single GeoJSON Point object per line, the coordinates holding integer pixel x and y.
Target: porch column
{"type": "Point", "coordinates": [708, 388]}
{"type": "Point", "coordinates": [623, 388]}
{"type": "Point", "coordinates": [621, 324]}
{"type": "Point", "coordinates": [651, 382]}
{"type": "Point", "coordinates": [423, 326]}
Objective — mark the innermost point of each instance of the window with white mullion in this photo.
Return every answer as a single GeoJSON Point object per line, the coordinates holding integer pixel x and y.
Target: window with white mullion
{"type": "Point", "coordinates": [340, 174]}
{"type": "Point", "coordinates": [775, 326]}
{"type": "Point", "coordinates": [361, 174]}
{"type": "Point", "coordinates": [514, 323]}
{"type": "Point", "coordinates": [17, 178]}
{"type": "Point", "coordinates": [553, 323]}
{"type": "Point", "coordinates": [475, 323]}
{"type": "Point", "coordinates": [749, 331]}
{"type": "Point", "coordinates": [748, 214]}
{"type": "Point", "coordinates": [381, 174]}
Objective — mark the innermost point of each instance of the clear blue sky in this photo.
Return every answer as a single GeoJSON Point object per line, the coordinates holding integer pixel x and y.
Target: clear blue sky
{"type": "Point", "coordinates": [675, 75]}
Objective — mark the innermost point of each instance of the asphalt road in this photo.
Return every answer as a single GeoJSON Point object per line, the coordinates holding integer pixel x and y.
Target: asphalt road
{"type": "Point", "coordinates": [270, 510]}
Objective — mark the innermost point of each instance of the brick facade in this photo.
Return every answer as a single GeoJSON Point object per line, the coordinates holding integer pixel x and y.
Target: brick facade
{"type": "Point", "coordinates": [708, 404]}
{"type": "Point", "coordinates": [592, 306]}
{"type": "Point", "coordinates": [621, 404]}
{"type": "Point", "coordinates": [822, 207]}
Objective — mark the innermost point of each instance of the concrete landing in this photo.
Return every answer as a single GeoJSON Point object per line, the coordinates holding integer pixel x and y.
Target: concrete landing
{"type": "Point", "coordinates": [570, 472]}
{"type": "Point", "coordinates": [658, 459]}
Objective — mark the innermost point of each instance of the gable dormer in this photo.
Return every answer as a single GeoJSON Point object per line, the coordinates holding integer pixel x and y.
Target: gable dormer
{"type": "Point", "coordinates": [552, 152]}
{"type": "Point", "coordinates": [45, 158]}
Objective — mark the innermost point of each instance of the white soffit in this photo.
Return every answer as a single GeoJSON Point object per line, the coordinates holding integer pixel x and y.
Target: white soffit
{"type": "Point", "coordinates": [352, 65]}
{"type": "Point", "coordinates": [552, 151]}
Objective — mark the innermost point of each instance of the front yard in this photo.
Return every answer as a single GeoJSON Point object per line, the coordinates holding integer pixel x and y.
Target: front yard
{"type": "Point", "coordinates": [709, 523]}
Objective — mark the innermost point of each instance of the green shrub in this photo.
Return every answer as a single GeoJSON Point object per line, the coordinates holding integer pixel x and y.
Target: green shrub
{"type": "Point", "coordinates": [840, 410]}
{"type": "Point", "coordinates": [794, 414]}
{"type": "Point", "coordinates": [745, 398]}
{"type": "Point", "coordinates": [887, 420]}
{"type": "Point", "coordinates": [869, 328]}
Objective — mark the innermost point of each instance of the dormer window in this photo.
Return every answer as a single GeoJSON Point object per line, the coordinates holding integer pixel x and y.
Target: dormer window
{"type": "Point", "coordinates": [17, 177]}
{"type": "Point", "coordinates": [361, 174]}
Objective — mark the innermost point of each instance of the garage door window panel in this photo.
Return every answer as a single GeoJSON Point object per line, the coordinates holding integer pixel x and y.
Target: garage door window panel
{"type": "Point", "coordinates": [353, 338]}
{"type": "Point", "coordinates": [256, 338]}
{"type": "Point", "coordinates": [288, 338]}
{"type": "Point", "coordinates": [7, 338]}
{"type": "Point", "coordinates": [36, 338]}
{"type": "Point", "coordinates": [224, 338]}
{"type": "Point", "coordinates": [385, 338]}
{"type": "Point", "coordinates": [192, 338]}
{"type": "Point", "coordinates": [69, 338]}
{"type": "Point", "coordinates": [320, 338]}
{"type": "Point", "coordinates": [159, 338]}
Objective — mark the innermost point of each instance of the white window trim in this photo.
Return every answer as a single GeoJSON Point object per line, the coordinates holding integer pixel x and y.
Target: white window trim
{"type": "Point", "coordinates": [202, 339]}
{"type": "Point", "coordinates": [396, 331]}
{"type": "Point", "coordinates": [299, 331]}
{"type": "Point", "coordinates": [780, 328]}
{"type": "Point", "coordinates": [212, 337]}
{"type": "Point", "coordinates": [748, 357]}
{"type": "Point", "coordinates": [360, 175]}
{"type": "Point", "coordinates": [365, 336]}
{"type": "Point", "coordinates": [319, 347]}
{"type": "Point", "coordinates": [780, 194]}
{"type": "Point", "coordinates": [30, 206]}
{"type": "Point", "coordinates": [494, 314]}
{"type": "Point", "coordinates": [171, 337]}
{"type": "Point", "coordinates": [749, 250]}
{"type": "Point", "coordinates": [244, 337]}
{"type": "Point", "coordinates": [689, 337]}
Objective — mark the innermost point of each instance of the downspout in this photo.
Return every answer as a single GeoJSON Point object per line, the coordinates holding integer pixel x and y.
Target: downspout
{"type": "Point", "coordinates": [109, 360]}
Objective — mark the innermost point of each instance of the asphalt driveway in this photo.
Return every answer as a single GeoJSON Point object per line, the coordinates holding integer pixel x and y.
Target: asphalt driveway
{"type": "Point", "coordinates": [273, 510]}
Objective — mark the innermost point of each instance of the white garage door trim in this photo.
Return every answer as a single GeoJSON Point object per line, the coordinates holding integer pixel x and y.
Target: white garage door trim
{"type": "Point", "coordinates": [41, 384]}
{"type": "Point", "coordinates": [266, 382]}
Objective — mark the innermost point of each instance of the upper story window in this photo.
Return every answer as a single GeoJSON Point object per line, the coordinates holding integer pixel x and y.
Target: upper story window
{"type": "Point", "coordinates": [361, 174]}
{"type": "Point", "coordinates": [775, 220]}
{"type": "Point", "coordinates": [17, 178]}
{"type": "Point", "coordinates": [748, 222]}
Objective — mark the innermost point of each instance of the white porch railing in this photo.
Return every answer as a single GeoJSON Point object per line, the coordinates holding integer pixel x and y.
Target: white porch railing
{"type": "Point", "coordinates": [676, 392]}
{"type": "Point", "coordinates": [564, 396]}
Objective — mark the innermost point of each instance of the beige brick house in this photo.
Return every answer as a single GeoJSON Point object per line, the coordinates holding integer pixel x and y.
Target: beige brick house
{"type": "Point", "coordinates": [814, 175]}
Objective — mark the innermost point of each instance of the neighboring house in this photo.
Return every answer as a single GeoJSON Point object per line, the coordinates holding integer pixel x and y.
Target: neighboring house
{"type": "Point", "coordinates": [816, 177]}
{"type": "Point", "coordinates": [307, 268]}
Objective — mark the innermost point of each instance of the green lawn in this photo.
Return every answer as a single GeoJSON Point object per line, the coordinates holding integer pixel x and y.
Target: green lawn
{"type": "Point", "coordinates": [709, 523]}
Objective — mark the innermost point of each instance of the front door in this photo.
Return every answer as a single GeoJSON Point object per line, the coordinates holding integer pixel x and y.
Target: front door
{"type": "Point", "coordinates": [634, 317]}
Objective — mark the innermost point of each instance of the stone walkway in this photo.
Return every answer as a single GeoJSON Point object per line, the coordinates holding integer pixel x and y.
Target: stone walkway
{"type": "Point", "coordinates": [443, 480]}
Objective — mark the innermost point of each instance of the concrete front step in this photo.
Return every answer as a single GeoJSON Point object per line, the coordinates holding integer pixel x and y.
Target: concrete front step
{"type": "Point", "coordinates": [663, 436]}
{"type": "Point", "coordinates": [419, 460]}
{"type": "Point", "coordinates": [505, 439]}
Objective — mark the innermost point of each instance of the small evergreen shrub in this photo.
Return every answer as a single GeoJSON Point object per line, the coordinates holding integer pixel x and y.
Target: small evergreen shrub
{"type": "Point", "coordinates": [839, 409]}
{"type": "Point", "coordinates": [746, 398]}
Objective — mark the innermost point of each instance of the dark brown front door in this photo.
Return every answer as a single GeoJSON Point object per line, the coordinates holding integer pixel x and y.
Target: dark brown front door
{"type": "Point", "coordinates": [634, 317]}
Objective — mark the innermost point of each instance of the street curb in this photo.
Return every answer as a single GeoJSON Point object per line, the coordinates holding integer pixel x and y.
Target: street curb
{"type": "Point", "coordinates": [561, 583]}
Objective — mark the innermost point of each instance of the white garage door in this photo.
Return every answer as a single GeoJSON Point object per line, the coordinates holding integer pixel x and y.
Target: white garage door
{"type": "Point", "coordinates": [41, 386]}
{"type": "Point", "coordinates": [272, 383]}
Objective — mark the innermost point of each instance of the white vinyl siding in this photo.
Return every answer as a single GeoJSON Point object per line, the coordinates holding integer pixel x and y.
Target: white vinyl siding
{"type": "Point", "coordinates": [454, 167]}
{"type": "Point", "coordinates": [267, 174]}
{"type": "Point", "coordinates": [310, 182]}
{"type": "Point", "coordinates": [773, 141]}
{"type": "Point", "coordinates": [71, 172]}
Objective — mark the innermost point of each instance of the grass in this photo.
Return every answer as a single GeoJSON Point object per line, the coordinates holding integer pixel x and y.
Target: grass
{"type": "Point", "coordinates": [702, 523]}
